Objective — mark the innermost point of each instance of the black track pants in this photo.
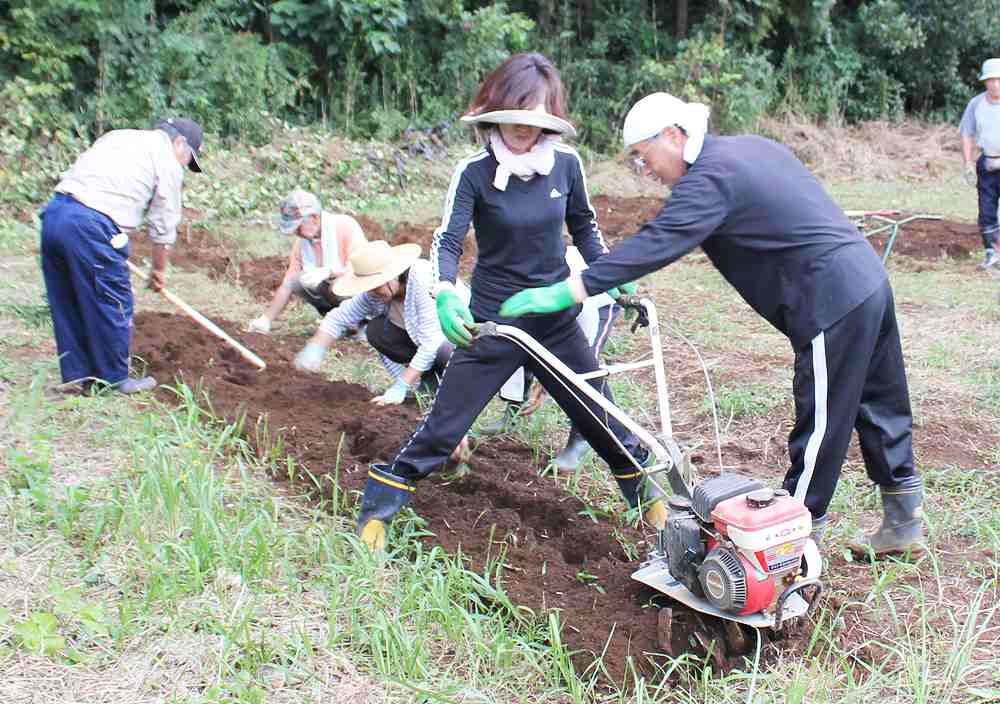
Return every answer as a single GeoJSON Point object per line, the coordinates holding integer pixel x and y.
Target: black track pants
{"type": "Point", "coordinates": [851, 377]}
{"type": "Point", "coordinates": [474, 375]}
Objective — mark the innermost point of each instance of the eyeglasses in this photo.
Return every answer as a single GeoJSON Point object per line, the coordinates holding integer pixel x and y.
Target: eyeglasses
{"type": "Point", "coordinates": [638, 163]}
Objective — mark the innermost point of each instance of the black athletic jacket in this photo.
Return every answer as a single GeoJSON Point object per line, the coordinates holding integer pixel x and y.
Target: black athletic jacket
{"type": "Point", "coordinates": [518, 231]}
{"type": "Point", "coordinates": [769, 228]}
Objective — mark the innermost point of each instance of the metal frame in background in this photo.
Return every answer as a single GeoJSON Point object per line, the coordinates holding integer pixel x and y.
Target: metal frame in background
{"type": "Point", "coordinates": [885, 216]}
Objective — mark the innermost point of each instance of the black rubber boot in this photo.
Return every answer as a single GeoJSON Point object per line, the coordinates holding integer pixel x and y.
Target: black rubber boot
{"type": "Point", "coordinates": [902, 522]}
{"type": "Point", "coordinates": [569, 457]}
{"type": "Point", "coordinates": [385, 494]}
{"type": "Point", "coordinates": [505, 423]}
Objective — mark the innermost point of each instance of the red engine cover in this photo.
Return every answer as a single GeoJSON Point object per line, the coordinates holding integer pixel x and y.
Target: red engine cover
{"type": "Point", "coordinates": [760, 595]}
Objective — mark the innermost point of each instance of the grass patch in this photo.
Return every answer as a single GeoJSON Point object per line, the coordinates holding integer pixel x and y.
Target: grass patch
{"type": "Point", "coordinates": [748, 399]}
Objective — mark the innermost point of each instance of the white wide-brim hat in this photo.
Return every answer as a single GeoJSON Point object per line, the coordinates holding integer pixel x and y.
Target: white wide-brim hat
{"type": "Point", "coordinates": [991, 69]}
{"type": "Point", "coordinates": [537, 117]}
{"type": "Point", "coordinates": [373, 264]}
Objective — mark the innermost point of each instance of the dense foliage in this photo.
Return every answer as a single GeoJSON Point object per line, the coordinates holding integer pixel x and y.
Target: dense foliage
{"type": "Point", "coordinates": [375, 67]}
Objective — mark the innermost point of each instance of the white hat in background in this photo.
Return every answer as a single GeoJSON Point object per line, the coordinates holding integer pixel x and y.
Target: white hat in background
{"type": "Point", "coordinates": [296, 207]}
{"type": "Point", "coordinates": [657, 111]}
{"type": "Point", "coordinates": [991, 69]}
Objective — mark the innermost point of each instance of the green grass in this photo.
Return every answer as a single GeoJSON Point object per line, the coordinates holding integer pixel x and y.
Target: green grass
{"type": "Point", "coordinates": [747, 399]}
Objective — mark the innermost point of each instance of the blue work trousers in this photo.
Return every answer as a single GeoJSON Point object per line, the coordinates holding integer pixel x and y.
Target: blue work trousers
{"type": "Point", "coordinates": [89, 292]}
{"type": "Point", "coordinates": [988, 187]}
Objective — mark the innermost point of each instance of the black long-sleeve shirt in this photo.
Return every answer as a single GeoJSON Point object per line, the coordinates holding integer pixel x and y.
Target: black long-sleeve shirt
{"type": "Point", "coordinates": [518, 231]}
{"type": "Point", "coordinates": [768, 226]}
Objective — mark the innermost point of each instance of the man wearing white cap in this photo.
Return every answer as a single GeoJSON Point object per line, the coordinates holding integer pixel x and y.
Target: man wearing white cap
{"type": "Point", "coordinates": [772, 231]}
{"type": "Point", "coordinates": [980, 127]}
{"type": "Point", "coordinates": [323, 245]}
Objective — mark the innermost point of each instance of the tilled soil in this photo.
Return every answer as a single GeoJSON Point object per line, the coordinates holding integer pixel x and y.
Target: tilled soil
{"type": "Point", "coordinates": [926, 240]}
{"type": "Point", "coordinates": [554, 557]}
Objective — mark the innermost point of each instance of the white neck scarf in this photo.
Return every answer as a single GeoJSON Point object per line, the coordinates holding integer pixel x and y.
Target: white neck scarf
{"type": "Point", "coordinates": [538, 160]}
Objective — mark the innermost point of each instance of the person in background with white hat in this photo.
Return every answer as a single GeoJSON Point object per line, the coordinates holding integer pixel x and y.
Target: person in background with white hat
{"type": "Point", "coordinates": [387, 290]}
{"type": "Point", "coordinates": [771, 230]}
{"type": "Point", "coordinates": [125, 178]}
{"type": "Point", "coordinates": [323, 244]}
{"type": "Point", "coordinates": [980, 127]}
{"type": "Point", "coordinates": [518, 192]}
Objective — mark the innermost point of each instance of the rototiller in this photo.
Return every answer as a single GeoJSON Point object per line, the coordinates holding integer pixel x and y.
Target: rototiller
{"type": "Point", "coordinates": [738, 554]}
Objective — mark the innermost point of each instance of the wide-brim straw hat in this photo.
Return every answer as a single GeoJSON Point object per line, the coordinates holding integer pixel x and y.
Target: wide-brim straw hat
{"type": "Point", "coordinates": [373, 264]}
{"type": "Point", "coordinates": [537, 117]}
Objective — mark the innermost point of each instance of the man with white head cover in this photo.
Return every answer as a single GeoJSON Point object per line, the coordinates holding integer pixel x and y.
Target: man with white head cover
{"type": "Point", "coordinates": [772, 231]}
{"type": "Point", "coordinates": [980, 130]}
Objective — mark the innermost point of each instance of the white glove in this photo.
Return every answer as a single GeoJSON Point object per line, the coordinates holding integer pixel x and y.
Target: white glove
{"type": "Point", "coordinates": [314, 277]}
{"type": "Point", "coordinates": [310, 359]}
{"type": "Point", "coordinates": [395, 394]}
{"type": "Point", "coordinates": [969, 173]}
{"type": "Point", "coordinates": [261, 325]}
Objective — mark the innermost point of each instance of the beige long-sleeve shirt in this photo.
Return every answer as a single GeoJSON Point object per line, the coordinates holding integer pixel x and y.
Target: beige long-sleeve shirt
{"type": "Point", "coordinates": [130, 176]}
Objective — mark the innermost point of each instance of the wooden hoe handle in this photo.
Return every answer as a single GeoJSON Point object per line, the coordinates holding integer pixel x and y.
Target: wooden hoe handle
{"type": "Point", "coordinates": [203, 321]}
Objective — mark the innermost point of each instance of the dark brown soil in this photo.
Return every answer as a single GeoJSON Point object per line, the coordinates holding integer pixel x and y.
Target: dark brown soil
{"type": "Point", "coordinates": [503, 505]}
{"type": "Point", "coordinates": [927, 240]}
{"type": "Point", "coordinates": [549, 548]}
{"type": "Point", "coordinates": [622, 217]}
{"type": "Point", "coordinates": [196, 250]}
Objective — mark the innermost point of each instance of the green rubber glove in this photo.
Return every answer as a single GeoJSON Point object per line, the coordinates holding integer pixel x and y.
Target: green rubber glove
{"type": "Point", "coordinates": [453, 315]}
{"type": "Point", "coordinates": [547, 299]}
{"type": "Point", "coordinates": [626, 289]}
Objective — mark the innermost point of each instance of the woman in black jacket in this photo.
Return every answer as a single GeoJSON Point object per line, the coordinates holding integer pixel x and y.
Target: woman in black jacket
{"type": "Point", "coordinates": [518, 192]}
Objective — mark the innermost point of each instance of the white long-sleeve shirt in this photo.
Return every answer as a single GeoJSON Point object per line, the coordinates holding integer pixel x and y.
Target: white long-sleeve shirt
{"type": "Point", "coordinates": [130, 176]}
{"type": "Point", "coordinates": [419, 315]}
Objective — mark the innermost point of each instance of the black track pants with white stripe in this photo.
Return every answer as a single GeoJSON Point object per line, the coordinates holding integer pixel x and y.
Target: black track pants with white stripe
{"type": "Point", "coordinates": [475, 373]}
{"type": "Point", "coordinates": [851, 377]}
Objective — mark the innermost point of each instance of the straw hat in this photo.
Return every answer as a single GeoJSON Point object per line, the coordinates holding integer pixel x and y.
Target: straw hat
{"type": "Point", "coordinates": [537, 117]}
{"type": "Point", "coordinates": [373, 264]}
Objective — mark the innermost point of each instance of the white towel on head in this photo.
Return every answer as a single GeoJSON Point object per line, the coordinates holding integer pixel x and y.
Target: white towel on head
{"type": "Point", "coordinates": [693, 120]}
{"type": "Point", "coordinates": [657, 111]}
{"type": "Point", "coordinates": [539, 160]}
